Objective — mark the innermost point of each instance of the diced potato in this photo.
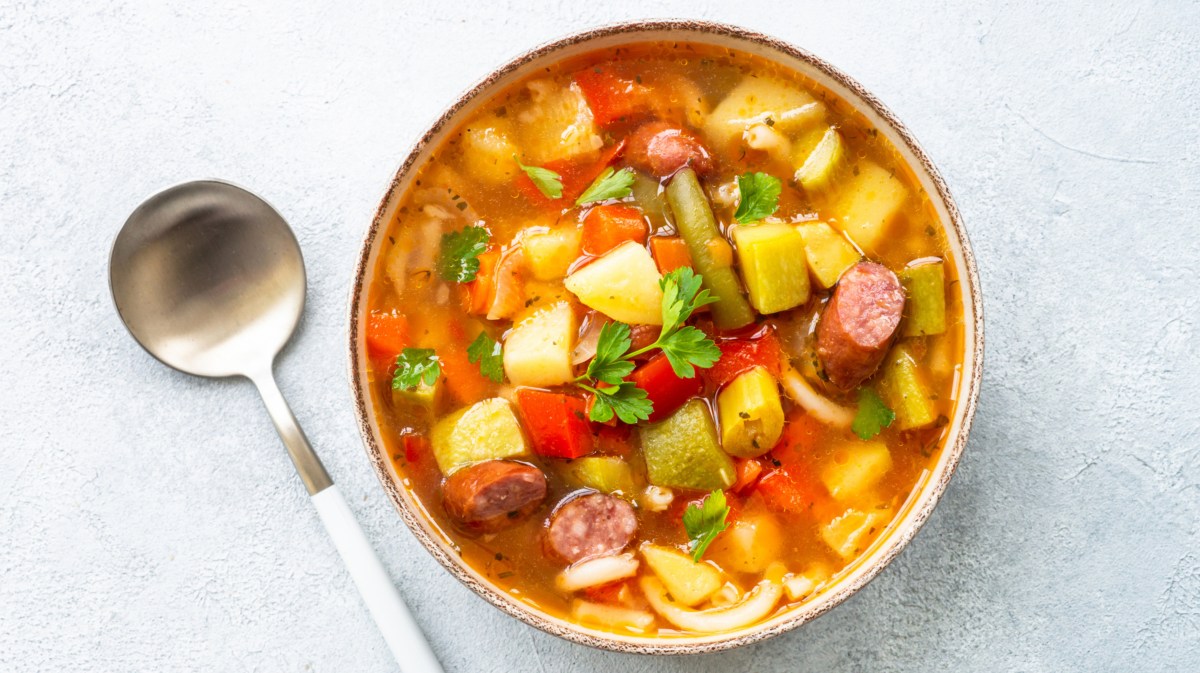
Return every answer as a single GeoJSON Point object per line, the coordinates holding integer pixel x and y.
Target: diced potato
{"type": "Point", "coordinates": [773, 266]}
{"type": "Point", "coordinates": [688, 582]}
{"type": "Point", "coordinates": [607, 474]}
{"type": "Point", "coordinates": [925, 308]}
{"type": "Point", "coordinates": [488, 151]}
{"type": "Point", "coordinates": [558, 124]}
{"type": "Point", "coordinates": [868, 202]}
{"type": "Point", "coordinates": [486, 430]}
{"type": "Point", "coordinates": [901, 388]}
{"type": "Point", "coordinates": [623, 285]}
{"type": "Point", "coordinates": [750, 543]}
{"type": "Point", "coordinates": [849, 533]}
{"type": "Point", "coordinates": [828, 252]}
{"type": "Point", "coordinates": [817, 167]}
{"type": "Point", "coordinates": [804, 584]}
{"type": "Point", "coordinates": [751, 413]}
{"type": "Point", "coordinates": [423, 396]}
{"type": "Point", "coordinates": [682, 451]}
{"type": "Point", "coordinates": [549, 253]}
{"type": "Point", "coordinates": [855, 468]}
{"type": "Point", "coordinates": [540, 295]}
{"type": "Point", "coordinates": [537, 351]}
{"type": "Point", "coordinates": [755, 100]}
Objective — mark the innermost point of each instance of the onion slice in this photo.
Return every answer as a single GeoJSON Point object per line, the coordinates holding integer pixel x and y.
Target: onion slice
{"type": "Point", "coordinates": [753, 607]}
{"type": "Point", "coordinates": [611, 615]}
{"type": "Point", "coordinates": [597, 571]}
{"type": "Point", "coordinates": [824, 409]}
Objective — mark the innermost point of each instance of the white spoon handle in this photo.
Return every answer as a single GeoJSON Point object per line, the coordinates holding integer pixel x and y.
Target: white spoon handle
{"type": "Point", "coordinates": [391, 615]}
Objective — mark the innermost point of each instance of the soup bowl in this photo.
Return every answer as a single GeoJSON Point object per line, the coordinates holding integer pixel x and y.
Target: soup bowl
{"type": "Point", "coordinates": [912, 513]}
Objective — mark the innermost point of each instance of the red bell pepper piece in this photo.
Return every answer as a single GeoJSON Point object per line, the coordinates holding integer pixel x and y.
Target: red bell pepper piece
{"type": "Point", "coordinates": [611, 97]}
{"type": "Point", "coordinates": [748, 472]}
{"type": "Point", "coordinates": [667, 391]}
{"type": "Point", "coordinates": [575, 176]}
{"type": "Point", "coordinates": [387, 334]}
{"type": "Point", "coordinates": [415, 446]}
{"type": "Point", "coordinates": [482, 291]}
{"type": "Point", "coordinates": [606, 227]}
{"type": "Point", "coordinates": [557, 423]}
{"type": "Point", "coordinates": [738, 355]}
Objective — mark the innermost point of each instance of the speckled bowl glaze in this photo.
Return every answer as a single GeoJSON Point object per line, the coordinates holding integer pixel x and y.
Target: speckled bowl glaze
{"type": "Point", "coordinates": [911, 515]}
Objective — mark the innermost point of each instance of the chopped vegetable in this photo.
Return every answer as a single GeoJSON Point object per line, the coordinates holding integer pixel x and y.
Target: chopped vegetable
{"type": "Point", "coordinates": [739, 355]}
{"type": "Point", "coordinates": [748, 472]}
{"type": "Point", "coordinates": [459, 259]}
{"type": "Point", "coordinates": [597, 571]}
{"type": "Point", "coordinates": [849, 533]}
{"type": "Point", "coordinates": [549, 254]}
{"type": "Point", "coordinates": [761, 100]}
{"type": "Point", "coordinates": [828, 252]}
{"type": "Point", "coordinates": [623, 284]}
{"type": "Point", "coordinates": [856, 468]}
{"type": "Point", "coordinates": [790, 489]}
{"type": "Point", "coordinates": [606, 227]}
{"type": "Point", "coordinates": [611, 616]}
{"type": "Point", "coordinates": [694, 218]}
{"type": "Point", "coordinates": [873, 415]}
{"type": "Point", "coordinates": [486, 430]}
{"type": "Point", "coordinates": [611, 97]}
{"type": "Point", "coordinates": [537, 351]}
{"type": "Point", "coordinates": [817, 167]}
{"type": "Point", "coordinates": [755, 605]}
{"type": "Point", "coordinates": [610, 363]}
{"type": "Point", "coordinates": [648, 195]}
{"type": "Point", "coordinates": [547, 181]}
{"type": "Point", "coordinates": [682, 451]}
{"type": "Point", "coordinates": [607, 474]}
{"type": "Point", "coordinates": [868, 202]}
{"type": "Point", "coordinates": [463, 379]}
{"type": "Point", "coordinates": [387, 333]}
{"type": "Point", "coordinates": [773, 266]}
{"type": "Point", "coordinates": [424, 396]}
{"type": "Point", "coordinates": [758, 197]}
{"type": "Point", "coordinates": [902, 389]}
{"type": "Point", "coordinates": [670, 253]}
{"type": "Point", "coordinates": [664, 388]}
{"type": "Point", "coordinates": [751, 414]}
{"type": "Point", "coordinates": [487, 144]}
{"type": "Point", "coordinates": [575, 174]}
{"type": "Point", "coordinates": [415, 366]}
{"type": "Point", "coordinates": [704, 522]}
{"type": "Point", "coordinates": [555, 423]}
{"type": "Point", "coordinates": [625, 400]}
{"type": "Point", "coordinates": [487, 353]}
{"type": "Point", "coordinates": [481, 292]}
{"type": "Point", "coordinates": [687, 580]}
{"type": "Point", "coordinates": [925, 308]}
{"type": "Point", "coordinates": [806, 583]}
{"type": "Point", "coordinates": [751, 544]}
{"type": "Point", "coordinates": [610, 184]}
{"type": "Point", "coordinates": [558, 125]}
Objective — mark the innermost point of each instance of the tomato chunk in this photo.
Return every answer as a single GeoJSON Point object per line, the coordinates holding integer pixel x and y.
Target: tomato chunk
{"type": "Point", "coordinates": [670, 253]}
{"type": "Point", "coordinates": [387, 334]}
{"type": "Point", "coordinates": [556, 422]}
{"type": "Point", "coordinates": [611, 97]}
{"type": "Point", "coordinates": [667, 391]}
{"type": "Point", "coordinates": [791, 490]}
{"type": "Point", "coordinates": [606, 227]}
{"type": "Point", "coordinates": [738, 355]}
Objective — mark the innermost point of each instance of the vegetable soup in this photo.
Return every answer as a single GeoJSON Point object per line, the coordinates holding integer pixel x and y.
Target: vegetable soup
{"type": "Point", "coordinates": [663, 337]}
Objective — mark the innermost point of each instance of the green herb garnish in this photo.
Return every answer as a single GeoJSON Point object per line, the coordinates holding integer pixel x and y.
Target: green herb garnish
{"type": "Point", "coordinates": [489, 354]}
{"type": "Point", "coordinates": [415, 366]}
{"type": "Point", "coordinates": [610, 184]}
{"type": "Point", "coordinates": [758, 196]}
{"type": "Point", "coordinates": [873, 415]}
{"type": "Point", "coordinates": [459, 260]}
{"type": "Point", "coordinates": [547, 181]}
{"type": "Point", "coordinates": [704, 522]}
{"type": "Point", "coordinates": [629, 402]}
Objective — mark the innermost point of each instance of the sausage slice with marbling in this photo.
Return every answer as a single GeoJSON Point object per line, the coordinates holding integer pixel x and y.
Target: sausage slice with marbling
{"type": "Point", "coordinates": [859, 323]}
{"type": "Point", "coordinates": [492, 495]}
{"type": "Point", "coordinates": [591, 525]}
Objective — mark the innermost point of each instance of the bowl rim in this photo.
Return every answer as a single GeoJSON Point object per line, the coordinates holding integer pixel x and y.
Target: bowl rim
{"type": "Point", "coordinates": [907, 523]}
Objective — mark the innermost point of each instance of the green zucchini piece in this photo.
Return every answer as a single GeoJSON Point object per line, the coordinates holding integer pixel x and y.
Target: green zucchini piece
{"type": "Point", "coordinates": [774, 266]}
{"type": "Point", "coordinates": [607, 474]}
{"type": "Point", "coordinates": [901, 387]}
{"type": "Point", "coordinates": [820, 164]}
{"type": "Point", "coordinates": [682, 451]}
{"type": "Point", "coordinates": [925, 308]}
{"type": "Point", "coordinates": [486, 430]}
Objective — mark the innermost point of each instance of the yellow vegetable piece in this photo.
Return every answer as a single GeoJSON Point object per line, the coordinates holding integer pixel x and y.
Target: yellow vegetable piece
{"type": "Point", "coordinates": [557, 124]}
{"type": "Point", "coordinates": [537, 351]}
{"type": "Point", "coordinates": [817, 167]}
{"type": "Point", "coordinates": [750, 544]}
{"type": "Point", "coordinates": [423, 396]}
{"type": "Point", "coordinates": [828, 252]}
{"type": "Point", "coordinates": [688, 582]}
{"type": "Point", "coordinates": [622, 284]}
{"type": "Point", "coordinates": [607, 474]}
{"type": "Point", "coordinates": [755, 605]}
{"type": "Point", "coordinates": [901, 388]}
{"type": "Point", "coordinates": [751, 413]}
{"type": "Point", "coordinates": [755, 100]}
{"type": "Point", "coordinates": [925, 308]}
{"type": "Point", "coordinates": [550, 253]}
{"type": "Point", "coordinates": [855, 468]}
{"type": "Point", "coordinates": [850, 533]}
{"type": "Point", "coordinates": [682, 451]}
{"type": "Point", "coordinates": [486, 430]}
{"type": "Point", "coordinates": [488, 151]}
{"type": "Point", "coordinates": [773, 266]}
{"type": "Point", "coordinates": [868, 202]}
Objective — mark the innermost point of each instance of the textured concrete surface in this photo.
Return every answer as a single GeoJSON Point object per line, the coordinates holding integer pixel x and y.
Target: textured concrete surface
{"type": "Point", "coordinates": [151, 522]}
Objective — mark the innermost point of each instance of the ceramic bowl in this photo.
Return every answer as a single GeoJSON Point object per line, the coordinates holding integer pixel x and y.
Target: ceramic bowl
{"type": "Point", "coordinates": [912, 514]}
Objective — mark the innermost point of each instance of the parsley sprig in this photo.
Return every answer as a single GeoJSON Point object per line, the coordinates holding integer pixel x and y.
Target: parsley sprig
{"type": "Point", "coordinates": [758, 196]}
{"type": "Point", "coordinates": [489, 355]}
{"type": "Point", "coordinates": [459, 259]}
{"type": "Point", "coordinates": [873, 415]}
{"type": "Point", "coordinates": [704, 522]}
{"type": "Point", "coordinates": [547, 181]}
{"type": "Point", "coordinates": [415, 366]}
{"type": "Point", "coordinates": [610, 184]}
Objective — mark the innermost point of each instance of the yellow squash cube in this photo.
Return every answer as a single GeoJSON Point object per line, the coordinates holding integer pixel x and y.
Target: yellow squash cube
{"type": "Point", "coordinates": [773, 266]}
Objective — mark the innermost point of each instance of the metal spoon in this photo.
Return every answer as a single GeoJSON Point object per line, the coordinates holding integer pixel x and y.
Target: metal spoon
{"type": "Point", "coordinates": [209, 279]}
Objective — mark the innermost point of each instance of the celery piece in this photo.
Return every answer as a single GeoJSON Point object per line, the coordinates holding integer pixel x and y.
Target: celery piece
{"type": "Point", "coordinates": [817, 167]}
{"type": "Point", "coordinates": [751, 413]}
{"type": "Point", "coordinates": [925, 308]}
{"type": "Point", "coordinates": [607, 474]}
{"type": "Point", "coordinates": [773, 266]}
{"type": "Point", "coordinates": [682, 451]}
{"type": "Point", "coordinates": [486, 430]}
{"type": "Point", "coordinates": [828, 252]}
{"type": "Point", "coordinates": [698, 227]}
{"type": "Point", "coordinates": [901, 387]}
{"type": "Point", "coordinates": [647, 194]}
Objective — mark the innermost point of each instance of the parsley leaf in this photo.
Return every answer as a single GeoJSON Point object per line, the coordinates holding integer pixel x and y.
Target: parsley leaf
{"type": "Point", "coordinates": [704, 522]}
{"type": "Point", "coordinates": [687, 349]}
{"type": "Point", "coordinates": [629, 402]}
{"type": "Point", "coordinates": [610, 184]}
{"type": "Point", "coordinates": [415, 366]}
{"type": "Point", "coordinates": [682, 296]}
{"type": "Point", "coordinates": [459, 260]}
{"type": "Point", "coordinates": [547, 181]}
{"type": "Point", "coordinates": [609, 364]}
{"type": "Point", "coordinates": [873, 415]}
{"type": "Point", "coordinates": [489, 354]}
{"type": "Point", "coordinates": [759, 196]}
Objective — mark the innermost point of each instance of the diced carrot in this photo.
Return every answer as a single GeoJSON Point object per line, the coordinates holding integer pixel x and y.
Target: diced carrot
{"type": "Point", "coordinates": [670, 253]}
{"type": "Point", "coordinates": [665, 389]}
{"type": "Point", "coordinates": [802, 435]}
{"type": "Point", "coordinates": [791, 490]}
{"type": "Point", "coordinates": [738, 355]}
{"type": "Point", "coordinates": [748, 472]}
{"type": "Point", "coordinates": [606, 227]}
{"type": "Point", "coordinates": [482, 291]}
{"type": "Point", "coordinates": [387, 333]}
{"type": "Point", "coordinates": [463, 379]}
{"type": "Point", "coordinates": [555, 422]}
{"type": "Point", "coordinates": [575, 176]}
{"type": "Point", "coordinates": [611, 97]}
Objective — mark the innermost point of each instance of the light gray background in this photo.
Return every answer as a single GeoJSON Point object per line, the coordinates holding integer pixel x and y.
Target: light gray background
{"type": "Point", "coordinates": [151, 522]}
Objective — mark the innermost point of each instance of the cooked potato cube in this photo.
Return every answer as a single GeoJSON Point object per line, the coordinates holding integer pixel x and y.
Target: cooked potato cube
{"type": "Point", "coordinates": [550, 253]}
{"type": "Point", "coordinates": [750, 544]}
{"type": "Point", "coordinates": [558, 124]}
{"type": "Point", "coordinates": [623, 285]}
{"type": "Point", "coordinates": [755, 100]}
{"type": "Point", "coordinates": [867, 203]}
{"type": "Point", "coordinates": [688, 582]}
{"type": "Point", "coordinates": [486, 430]}
{"type": "Point", "coordinates": [537, 351]}
{"type": "Point", "coordinates": [855, 468]}
{"type": "Point", "coordinates": [751, 413]}
{"type": "Point", "coordinates": [773, 266]}
{"type": "Point", "coordinates": [488, 151]}
{"type": "Point", "coordinates": [828, 252]}
{"type": "Point", "coordinates": [849, 534]}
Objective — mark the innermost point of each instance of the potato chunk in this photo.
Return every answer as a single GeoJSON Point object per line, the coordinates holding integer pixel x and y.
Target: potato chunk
{"type": "Point", "coordinates": [623, 285]}
{"type": "Point", "coordinates": [855, 468]}
{"type": "Point", "coordinates": [828, 252]}
{"type": "Point", "coordinates": [558, 124]}
{"type": "Point", "coordinates": [849, 534]}
{"type": "Point", "coordinates": [688, 582]}
{"type": "Point", "coordinates": [549, 253]}
{"type": "Point", "coordinates": [488, 151]}
{"type": "Point", "coordinates": [755, 101]}
{"type": "Point", "coordinates": [486, 430]}
{"type": "Point", "coordinates": [867, 204]}
{"type": "Point", "coordinates": [537, 351]}
{"type": "Point", "coordinates": [750, 544]}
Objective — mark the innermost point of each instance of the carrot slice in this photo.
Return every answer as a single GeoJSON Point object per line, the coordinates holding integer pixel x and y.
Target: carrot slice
{"type": "Point", "coordinates": [606, 227]}
{"type": "Point", "coordinates": [670, 253]}
{"type": "Point", "coordinates": [387, 333]}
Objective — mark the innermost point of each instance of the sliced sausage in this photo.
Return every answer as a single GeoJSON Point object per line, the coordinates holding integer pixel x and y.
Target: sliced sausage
{"type": "Point", "coordinates": [591, 525]}
{"type": "Point", "coordinates": [661, 149]}
{"type": "Point", "coordinates": [858, 323]}
{"type": "Point", "coordinates": [488, 496]}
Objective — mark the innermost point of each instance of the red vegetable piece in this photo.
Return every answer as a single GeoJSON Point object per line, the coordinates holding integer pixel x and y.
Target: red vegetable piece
{"type": "Point", "coordinates": [611, 97]}
{"type": "Point", "coordinates": [606, 227]}
{"type": "Point", "coordinates": [670, 253]}
{"type": "Point", "coordinates": [667, 391]}
{"type": "Point", "coordinates": [576, 176]}
{"type": "Point", "coordinates": [739, 355]}
{"type": "Point", "coordinates": [557, 423]}
{"type": "Point", "coordinates": [748, 472]}
{"type": "Point", "coordinates": [415, 446]}
{"type": "Point", "coordinates": [659, 149]}
{"type": "Point", "coordinates": [387, 334]}
{"type": "Point", "coordinates": [791, 490]}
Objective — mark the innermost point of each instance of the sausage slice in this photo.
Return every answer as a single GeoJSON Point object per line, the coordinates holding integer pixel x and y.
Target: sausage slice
{"type": "Point", "coordinates": [858, 323]}
{"type": "Point", "coordinates": [489, 496]}
{"type": "Point", "coordinates": [591, 525]}
{"type": "Point", "coordinates": [661, 149]}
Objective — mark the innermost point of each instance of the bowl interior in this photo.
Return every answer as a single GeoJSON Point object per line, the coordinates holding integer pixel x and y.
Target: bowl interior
{"type": "Point", "coordinates": [925, 494]}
